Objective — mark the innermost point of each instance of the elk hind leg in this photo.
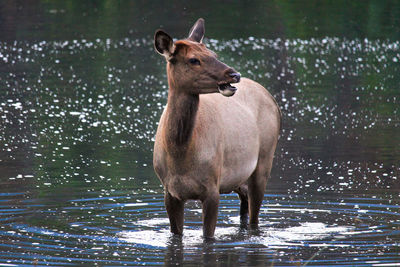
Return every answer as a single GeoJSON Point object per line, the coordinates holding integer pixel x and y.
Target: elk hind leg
{"type": "Point", "coordinates": [256, 188]}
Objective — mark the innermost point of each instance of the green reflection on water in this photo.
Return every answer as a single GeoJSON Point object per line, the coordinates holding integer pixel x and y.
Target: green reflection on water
{"type": "Point", "coordinates": [228, 19]}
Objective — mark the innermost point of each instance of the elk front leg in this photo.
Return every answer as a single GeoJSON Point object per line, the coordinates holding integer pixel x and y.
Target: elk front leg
{"type": "Point", "coordinates": [175, 210]}
{"type": "Point", "coordinates": [210, 214]}
{"type": "Point", "coordinates": [244, 204]}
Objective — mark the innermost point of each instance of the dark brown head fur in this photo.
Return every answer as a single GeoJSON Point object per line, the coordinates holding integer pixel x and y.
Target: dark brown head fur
{"type": "Point", "coordinates": [191, 67]}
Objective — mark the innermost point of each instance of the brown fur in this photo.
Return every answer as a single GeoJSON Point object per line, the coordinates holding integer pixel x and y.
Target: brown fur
{"type": "Point", "coordinates": [207, 144]}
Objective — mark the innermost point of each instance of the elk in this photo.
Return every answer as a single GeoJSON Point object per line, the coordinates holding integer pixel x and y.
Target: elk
{"type": "Point", "coordinates": [212, 138]}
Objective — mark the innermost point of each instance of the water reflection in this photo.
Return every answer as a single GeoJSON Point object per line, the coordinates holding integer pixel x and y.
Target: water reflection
{"type": "Point", "coordinates": [109, 229]}
{"type": "Point", "coordinates": [270, 237]}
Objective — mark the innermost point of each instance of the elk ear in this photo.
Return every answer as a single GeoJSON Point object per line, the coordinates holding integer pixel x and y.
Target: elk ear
{"type": "Point", "coordinates": [197, 31]}
{"type": "Point", "coordinates": [163, 44]}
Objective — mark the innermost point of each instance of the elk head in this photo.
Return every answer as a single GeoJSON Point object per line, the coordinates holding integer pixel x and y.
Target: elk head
{"type": "Point", "coordinates": [191, 67]}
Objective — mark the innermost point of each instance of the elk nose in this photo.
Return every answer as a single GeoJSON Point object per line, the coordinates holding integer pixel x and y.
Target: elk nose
{"type": "Point", "coordinates": [236, 76]}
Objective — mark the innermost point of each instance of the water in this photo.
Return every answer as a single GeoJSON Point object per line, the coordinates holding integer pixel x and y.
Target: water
{"type": "Point", "coordinates": [79, 108]}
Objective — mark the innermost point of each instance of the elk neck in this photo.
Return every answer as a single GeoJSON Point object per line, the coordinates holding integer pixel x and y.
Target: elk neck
{"type": "Point", "coordinates": [180, 120]}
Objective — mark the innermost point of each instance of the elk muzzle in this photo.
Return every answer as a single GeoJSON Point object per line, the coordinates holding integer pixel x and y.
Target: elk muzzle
{"type": "Point", "coordinates": [235, 76]}
{"type": "Point", "coordinates": [225, 88]}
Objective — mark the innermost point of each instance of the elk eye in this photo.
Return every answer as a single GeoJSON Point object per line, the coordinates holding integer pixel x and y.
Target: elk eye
{"type": "Point", "coordinates": [194, 61]}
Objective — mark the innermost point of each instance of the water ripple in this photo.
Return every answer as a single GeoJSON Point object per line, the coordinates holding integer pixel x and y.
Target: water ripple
{"type": "Point", "coordinates": [286, 229]}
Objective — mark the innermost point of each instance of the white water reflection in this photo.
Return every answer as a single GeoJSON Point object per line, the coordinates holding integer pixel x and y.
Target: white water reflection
{"type": "Point", "coordinates": [270, 237]}
{"type": "Point", "coordinates": [281, 238]}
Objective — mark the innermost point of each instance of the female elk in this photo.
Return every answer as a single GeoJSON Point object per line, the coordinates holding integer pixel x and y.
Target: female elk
{"type": "Point", "coordinates": [206, 143]}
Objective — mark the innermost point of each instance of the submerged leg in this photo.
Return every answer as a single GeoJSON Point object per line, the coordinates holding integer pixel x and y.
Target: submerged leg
{"type": "Point", "coordinates": [175, 210]}
{"type": "Point", "coordinates": [244, 204]}
{"type": "Point", "coordinates": [210, 214]}
{"type": "Point", "coordinates": [256, 188]}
